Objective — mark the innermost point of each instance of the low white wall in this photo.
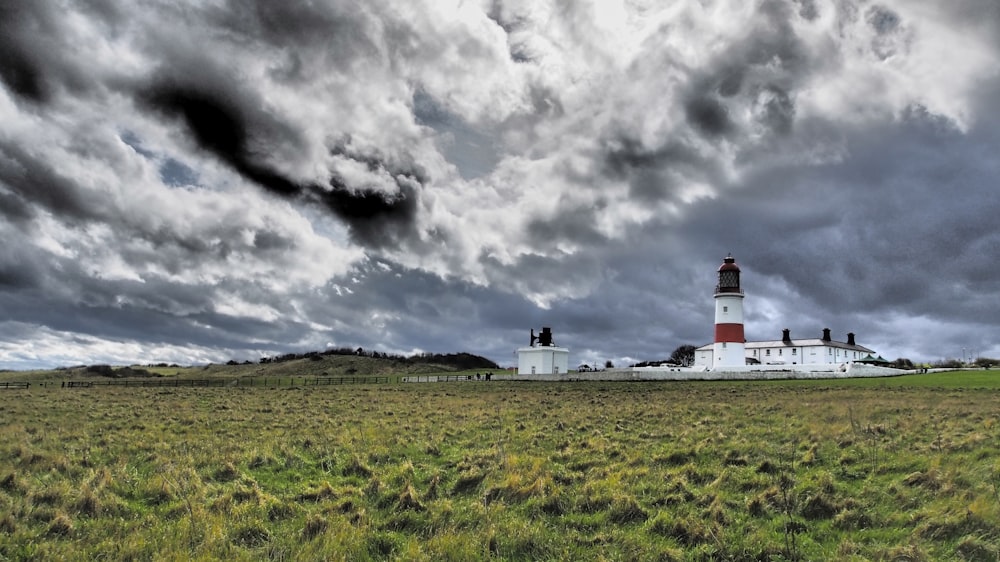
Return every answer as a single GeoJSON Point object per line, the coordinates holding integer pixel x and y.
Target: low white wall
{"type": "Point", "coordinates": [751, 372]}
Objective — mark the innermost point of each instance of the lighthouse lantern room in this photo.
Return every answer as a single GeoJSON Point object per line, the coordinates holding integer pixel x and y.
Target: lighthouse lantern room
{"type": "Point", "coordinates": [729, 348]}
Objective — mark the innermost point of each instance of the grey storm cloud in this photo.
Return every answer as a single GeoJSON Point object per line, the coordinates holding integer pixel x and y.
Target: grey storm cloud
{"type": "Point", "coordinates": [244, 178]}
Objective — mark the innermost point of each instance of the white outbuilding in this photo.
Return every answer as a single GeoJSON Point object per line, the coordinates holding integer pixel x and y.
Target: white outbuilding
{"type": "Point", "coordinates": [542, 357]}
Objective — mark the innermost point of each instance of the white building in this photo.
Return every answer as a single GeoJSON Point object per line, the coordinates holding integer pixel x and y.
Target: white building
{"type": "Point", "coordinates": [730, 348]}
{"type": "Point", "coordinates": [546, 358]}
{"type": "Point", "coordinates": [786, 351]}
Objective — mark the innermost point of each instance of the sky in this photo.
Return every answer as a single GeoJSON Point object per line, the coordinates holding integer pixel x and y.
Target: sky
{"type": "Point", "coordinates": [198, 181]}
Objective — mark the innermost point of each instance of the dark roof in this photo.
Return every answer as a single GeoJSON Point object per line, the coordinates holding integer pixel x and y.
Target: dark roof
{"type": "Point", "coordinates": [814, 342]}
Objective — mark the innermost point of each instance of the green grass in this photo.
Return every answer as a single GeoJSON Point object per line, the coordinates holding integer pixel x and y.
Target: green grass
{"type": "Point", "coordinates": [843, 470]}
{"type": "Point", "coordinates": [971, 379]}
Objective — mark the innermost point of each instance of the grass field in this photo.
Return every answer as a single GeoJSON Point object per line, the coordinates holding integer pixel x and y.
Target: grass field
{"type": "Point", "coordinates": [890, 469]}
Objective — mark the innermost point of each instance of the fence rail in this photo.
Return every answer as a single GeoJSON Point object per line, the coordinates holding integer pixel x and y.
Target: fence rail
{"type": "Point", "coordinates": [446, 378]}
{"type": "Point", "coordinates": [172, 382]}
{"type": "Point", "coordinates": [15, 384]}
{"type": "Point", "coordinates": [347, 380]}
{"type": "Point", "coordinates": [224, 382]}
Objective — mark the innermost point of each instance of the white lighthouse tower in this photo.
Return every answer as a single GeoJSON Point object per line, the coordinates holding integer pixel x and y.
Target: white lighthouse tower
{"type": "Point", "coordinates": [729, 349]}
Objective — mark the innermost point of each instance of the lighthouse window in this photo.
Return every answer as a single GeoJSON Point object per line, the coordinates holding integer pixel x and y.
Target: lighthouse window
{"type": "Point", "coordinates": [779, 352]}
{"type": "Point", "coordinates": [793, 352]}
{"type": "Point", "coordinates": [725, 309]}
{"type": "Point", "coordinates": [767, 352]}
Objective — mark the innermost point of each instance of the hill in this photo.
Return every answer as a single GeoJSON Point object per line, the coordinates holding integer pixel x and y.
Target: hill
{"type": "Point", "coordinates": [312, 364]}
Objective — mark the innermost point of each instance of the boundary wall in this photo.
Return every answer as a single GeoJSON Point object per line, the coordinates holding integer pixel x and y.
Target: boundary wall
{"type": "Point", "coordinates": [751, 372]}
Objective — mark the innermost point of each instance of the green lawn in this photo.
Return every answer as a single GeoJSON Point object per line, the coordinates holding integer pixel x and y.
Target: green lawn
{"type": "Point", "coordinates": [890, 469]}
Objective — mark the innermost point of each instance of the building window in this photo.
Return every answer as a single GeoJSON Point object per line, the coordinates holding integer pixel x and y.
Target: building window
{"type": "Point", "coordinates": [755, 353]}
{"type": "Point", "coordinates": [555, 369]}
{"type": "Point", "coordinates": [532, 369]}
{"type": "Point", "coordinates": [723, 345]}
{"type": "Point", "coordinates": [725, 309]}
{"type": "Point", "coordinates": [780, 352]}
{"type": "Point", "coordinates": [768, 352]}
{"type": "Point", "coordinates": [794, 351]}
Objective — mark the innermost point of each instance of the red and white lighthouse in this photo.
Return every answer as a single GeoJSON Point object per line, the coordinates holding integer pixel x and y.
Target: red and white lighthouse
{"type": "Point", "coordinates": [729, 349]}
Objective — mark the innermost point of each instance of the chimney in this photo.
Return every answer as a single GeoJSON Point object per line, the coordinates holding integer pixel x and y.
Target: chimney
{"type": "Point", "coordinates": [545, 338]}
{"type": "Point", "coordinates": [826, 334]}
{"type": "Point", "coordinates": [850, 338]}
{"type": "Point", "coordinates": [786, 336]}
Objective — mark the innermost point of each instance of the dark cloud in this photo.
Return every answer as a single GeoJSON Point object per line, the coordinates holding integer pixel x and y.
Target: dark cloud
{"type": "Point", "coordinates": [18, 269]}
{"type": "Point", "coordinates": [14, 208]}
{"type": "Point", "coordinates": [36, 180]}
{"type": "Point", "coordinates": [654, 173]}
{"type": "Point", "coordinates": [221, 124]}
{"type": "Point", "coordinates": [708, 116]}
{"type": "Point", "coordinates": [36, 62]}
{"type": "Point", "coordinates": [20, 66]}
{"type": "Point", "coordinates": [336, 28]}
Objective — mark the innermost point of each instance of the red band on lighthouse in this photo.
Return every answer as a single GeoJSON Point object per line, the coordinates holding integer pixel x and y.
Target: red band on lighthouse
{"type": "Point", "coordinates": [729, 333]}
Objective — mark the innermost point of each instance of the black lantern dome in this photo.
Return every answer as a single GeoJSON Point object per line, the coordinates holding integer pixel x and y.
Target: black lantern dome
{"type": "Point", "coordinates": [729, 276]}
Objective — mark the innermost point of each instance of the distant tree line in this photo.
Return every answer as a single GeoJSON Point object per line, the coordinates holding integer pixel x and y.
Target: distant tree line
{"type": "Point", "coordinates": [116, 373]}
{"type": "Point", "coordinates": [461, 361]}
{"type": "Point", "coordinates": [983, 362]}
{"type": "Point", "coordinates": [682, 356]}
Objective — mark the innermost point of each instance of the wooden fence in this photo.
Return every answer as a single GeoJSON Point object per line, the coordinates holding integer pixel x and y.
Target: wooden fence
{"type": "Point", "coordinates": [231, 382]}
{"type": "Point", "coordinates": [171, 382]}
{"type": "Point", "coordinates": [14, 384]}
{"type": "Point", "coordinates": [446, 378]}
{"type": "Point", "coordinates": [347, 380]}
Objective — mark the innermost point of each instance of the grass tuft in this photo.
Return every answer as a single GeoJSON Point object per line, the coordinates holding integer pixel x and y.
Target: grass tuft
{"type": "Point", "coordinates": [626, 510]}
{"type": "Point", "coordinates": [819, 506]}
{"type": "Point", "coordinates": [409, 500]}
{"type": "Point", "coordinates": [972, 547]}
{"type": "Point", "coordinates": [9, 483]}
{"type": "Point", "coordinates": [468, 482]}
{"type": "Point", "coordinates": [251, 536]}
{"type": "Point", "coordinates": [315, 526]}
{"type": "Point", "coordinates": [7, 524]}
{"type": "Point", "coordinates": [227, 473]}
{"type": "Point", "coordinates": [60, 526]}
{"type": "Point", "coordinates": [357, 468]}
{"type": "Point", "coordinates": [687, 531]}
{"type": "Point", "coordinates": [929, 480]}
{"type": "Point", "coordinates": [322, 492]}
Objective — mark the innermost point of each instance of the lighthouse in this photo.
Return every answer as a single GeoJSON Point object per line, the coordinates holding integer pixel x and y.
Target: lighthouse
{"type": "Point", "coordinates": [729, 348]}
